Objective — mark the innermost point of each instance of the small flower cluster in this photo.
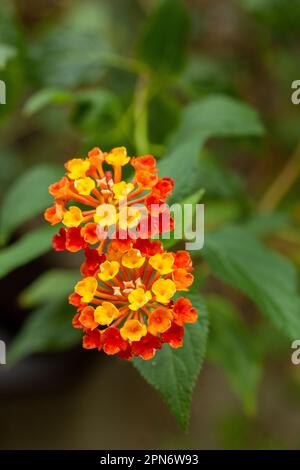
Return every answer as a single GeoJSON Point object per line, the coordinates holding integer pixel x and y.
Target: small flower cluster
{"type": "Point", "coordinates": [112, 208]}
{"type": "Point", "coordinates": [125, 299]}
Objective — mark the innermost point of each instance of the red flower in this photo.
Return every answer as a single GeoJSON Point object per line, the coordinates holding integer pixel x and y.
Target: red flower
{"type": "Point", "coordinates": [112, 341]}
{"type": "Point", "coordinates": [150, 226]}
{"type": "Point", "coordinates": [59, 240]}
{"type": "Point", "coordinates": [92, 340]}
{"type": "Point", "coordinates": [165, 222]}
{"type": "Point", "coordinates": [146, 347]}
{"type": "Point", "coordinates": [173, 336]}
{"type": "Point", "coordinates": [184, 312]}
{"type": "Point", "coordinates": [75, 322]}
{"type": "Point", "coordinates": [148, 247]}
{"type": "Point", "coordinates": [126, 354]}
{"type": "Point", "coordinates": [89, 233]}
{"type": "Point", "coordinates": [155, 204]}
{"type": "Point", "coordinates": [91, 263]}
{"type": "Point", "coordinates": [74, 240]}
{"type": "Point", "coordinates": [75, 299]}
{"type": "Point", "coordinates": [164, 187]}
{"type": "Point", "coordinates": [183, 260]}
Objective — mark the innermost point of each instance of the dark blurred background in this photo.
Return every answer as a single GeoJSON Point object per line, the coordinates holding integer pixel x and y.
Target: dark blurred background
{"type": "Point", "coordinates": [75, 78]}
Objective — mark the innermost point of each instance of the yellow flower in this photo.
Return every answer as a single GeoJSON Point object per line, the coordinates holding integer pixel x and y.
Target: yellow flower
{"type": "Point", "coordinates": [73, 217]}
{"type": "Point", "coordinates": [77, 168]}
{"type": "Point", "coordinates": [133, 330]}
{"type": "Point", "coordinates": [106, 313]}
{"type": "Point", "coordinates": [129, 217]}
{"type": "Point", "coordinates": [164, 289]}
{"type": "Point", "coordinates": [105, 215]}
{"type": "Point", "coordinates": [133, 259]}
{"type": "Point", "coordinates": [84, 186]}
{"type": "Point", "coordinates": [162, 262]}
{"type": "Point", "coordinates": [117, 157]}
{"type": "Point", "coordinates": [138, 298]}
{"type": "Point", "coordinates": [122, 189]}
{"type": "Point", "coordinates": [109, 269]}
{"type": "Point", "coordinates": [86, 288]}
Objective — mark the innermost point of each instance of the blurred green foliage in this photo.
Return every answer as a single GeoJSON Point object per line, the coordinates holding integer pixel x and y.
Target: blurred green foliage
{"type": "Point", "coordinates": [213, 104]}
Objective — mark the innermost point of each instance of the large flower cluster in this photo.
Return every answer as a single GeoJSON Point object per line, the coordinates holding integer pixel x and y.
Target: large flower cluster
{"type": "Point", "coordinates": [127, 301]}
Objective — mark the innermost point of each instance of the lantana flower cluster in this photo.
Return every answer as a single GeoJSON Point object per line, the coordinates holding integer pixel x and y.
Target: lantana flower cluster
{"type": "Point", "coordinates": [127, 299]}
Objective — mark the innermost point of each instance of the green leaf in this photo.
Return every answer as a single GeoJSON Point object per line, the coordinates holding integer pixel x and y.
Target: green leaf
{"type": "Point", "coordinates": [239, 259]}
{"type": "Point", "coordinates": [231, 347]}
{"type": "Point", "coordinates": [220, 116]}
{"type": "Point", "coordinates": [27, 197]}
{"type": "Point", "coordinates": [218, 179]}
{"type": "Point", "coordinates": [278, 16]}
{"type": "Point", "coordinates": [221, 212]}
{"type": "Point", "coordinates": [47, 96]}
{"type": "Point", "coordinates": [264, 224]}
{"type": "Point", "coordinates": [212, 116]}
{"type": "Point", "coordinates": [11, 63]}
{"type": "Point", "coordinates": [30, 246]}
{"type": "Point", "coordinates": [49, 328]}
{"type": "Point", "coordinates": [174, 372]}
{"type": "Point", "coordinates": [163, 41]}
{"type": "Point", "coordinates": [51, 285]}
{"type": "Point", "coordinates": [72, 52]}
{"type": "Point", "coordinates": [94, 110]}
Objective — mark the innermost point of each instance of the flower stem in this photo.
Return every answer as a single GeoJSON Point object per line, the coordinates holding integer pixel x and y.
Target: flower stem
{"type": "Point", "coordinates": [281, 185]}
{"type": "Point", "coordinates": [141, 115]}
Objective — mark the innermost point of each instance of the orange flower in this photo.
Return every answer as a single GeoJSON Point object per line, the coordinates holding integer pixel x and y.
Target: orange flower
{"type": "Point", "coordinates": [183, 280]}
{"type": "Point", "coordinates": [144, 163]}
{"type": "Point", "coordinates": [145, 179]}
{"type": "Point", "coordinates": [60, 190]}
{"type": "Point", "coordinates": [133, 259]}
{"type": "Point", "coordinates": [160, 320]}
{"type": "Point", "coordinates": [164, 187]}
{"type": "Point", "coordinates": [182, 259]}
{"type": "Point", "coordinates": [96, 157]}
{"type": "Point", "coordinates": [87, 319]}
{"type": "Point", "coordinates": [89, 233]}
{"type": "Point", "coordinates": [130, 302]}
{"type": "Point", "coordinates": [125, 300]}
{"type": "Point", "coordinates": [54, 214]}
{"type": "Point", "coordinates": [184, 312]}
{"type": "Point", "coordinates": [108, 204]}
